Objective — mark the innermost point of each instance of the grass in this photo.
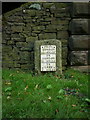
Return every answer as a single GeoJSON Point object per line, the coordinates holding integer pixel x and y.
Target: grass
{"type": "Point", "coordinates": [45, 96]}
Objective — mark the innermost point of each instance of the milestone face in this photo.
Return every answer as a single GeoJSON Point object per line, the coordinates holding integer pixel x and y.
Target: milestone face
{"type": "Point", "coordinates": [48, 57]}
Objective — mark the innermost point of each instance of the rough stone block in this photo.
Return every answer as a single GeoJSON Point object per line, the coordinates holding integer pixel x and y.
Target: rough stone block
{"type": "Point", "coordinates": [14, 18]}
{"type": "Point", "coordinates": [38, 28]}
{"type": "Point", "coordinates": [56, 21]}
{"type": "Point", "coordinates": [27, 28]}
{"type": "Point", "coordinates": [25, 46]}
{"type": "Point", "coordinates": [79, 26]}
{"type": "Point", "coordinates": [51, 28]}
{"type": "Point", "coordinates": [31, 39]}
{"type": "Point", "coordinates": [54, 28]}
{"type": "Point", "coordinates": [47, 5]}
{"type": "Point", "coordinates": [25, 55]}
{"type": "Point", "coordinates": [10, 42]}
{"type": "Point", "coordinates": [64, 62]}
{"type": "Point", "coordinates": [7, 63]}
{"type": "Point", "coordinates": [47, 36]}
{"type": "Point", "coordinates": [15, 37]}
{"type": "Point", "coordinates": [80, 9]}
{"type": "Point", "coordinates": [33, 34]}
{"type": "Point", "coordinates": [6, 48]}
{"type": "Point", "coordinates": [15, 53]}
{"type": "Point", "coordinates": [79, 42]}
{"type": "Point", "coordinates": [27, 19]}
{"type": "Point", "coordinates": [36, 32]}
{"type": "Point", "coordinates": [21, 44]}
{"type": "Point", "coordinates": [81, 68]}
{"type": "Point", "coordinates": [25, 66]}
{"type": "Point", "coordinates": [16, 64]}
{"type": "Point", "coordinates": [39, 14]}
{"type": "Point", "coordinates": [61, 15]}
{"type": "Point", "coordinates": [64, 52]}
{"type": "Point", "coordinates": [79, 58]}
{"type": "Point", "coordinates": [43, 23]}
{"type": "Point", "coordinates": [60, 5]}
{"type": "Point", "coordinates": [27, 33]}
{"type": "Point", "coordinates": [16, 29]}
{"type": "Point", "coordinates": [62, 35]}
{"type": "Point", "coordinates": [30, 12]}
{"type": "Point", "coordinates": [5, 36]}
{"type": "Point", "coordinates": [64, 42]}
{"type": "Point", "coordinates": [48, 19]}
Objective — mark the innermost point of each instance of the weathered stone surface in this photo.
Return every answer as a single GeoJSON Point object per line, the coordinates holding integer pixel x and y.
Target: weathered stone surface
{"type": "Point", "coordinates": [47, 36]}
{"type": "Point", "coordinates": [36, 32]}
{"type": "Point", "coordinates": [16, 64]}
{"type": "Point", "coordinates": [32, 57]}
{"type": "Point", "coordinates": [14, 18]}
{"type": "Point", "coordinates": [6, 48]}
{"type": "Point", "coordinates": [55, 21]}
{"type": "Point", "coordinates": [79, 26]}
{"type": "Point", "coordinates": [31, 39]}
{"type": "Point", "coordinates": [48, 19]}
{"type": "Point", "coordinates": [53, 28]}
{"type": "Point", "coordinates": [60, 5]}
{"type": "Point", "coordinates": [27, 28]}
{"type": "Point", "coordinates": [47, 5]}
{"type": "Point", "coordinates": [64, 42]}
{"type": "Point", "coordinates": [80, 9]}
{"type": "Point", "coordinates": [64, 52]}
{"type": "Point", "coordinates": [18, 37]}
{"type": "Point", "coordinates": [79, 58]}
{"type": "Point", "coordinates": [79, 42]}
{"type": "Point", "coordinates": [20, 44]}
{"type": "Point", "coordinates": [7, 61]}
{"type": "Point", "coordinates": [33, 34]}
{"type": "Point", "coordinates": [38, 28]}
{"type": "Point", "coordinates": [39, 14]}
{"type": "Point", "coordinates": [16, 29]}
{"type": "Point", "coordinates": [25, 66]}
{"type": "Point", "coordinates": [43, 23]}
{"type": "Point", "coordinates": [15, 53]}
{"type": "Point", "coordinates": [35, 6]}
{"type": "Point", "coordinates": [25, 46]}
{"type": "Point", "coordinates": [81, 68]}
{"type": "Point", "coordinates": [27, 33]}
{"type": "Point", "coordinates": [25, 55]}
{"type": "Point", "coordinates": [61, 15]}
{"type": "Point", "coordinates": [27, 19]}
{"type": "Point", "coordinates": [64, 62]}
{"type": "Point", "coordinates": [31, 13]}
{"type": "Point", "coordinates": [62, 35]}
{"type": "Point", "coordinates": [10, 42]}
{"type": "Point", "coordinates": [5, 37]}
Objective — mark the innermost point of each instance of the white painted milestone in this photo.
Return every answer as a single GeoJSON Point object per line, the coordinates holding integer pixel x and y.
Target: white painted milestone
{"type": "Point", "coordinates": [48, 57]}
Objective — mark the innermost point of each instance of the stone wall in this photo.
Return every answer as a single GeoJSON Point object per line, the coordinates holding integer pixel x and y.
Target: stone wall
{"type": "Point", "coordinates": [67, 22]}
{"type": "Point", "coordinates": [31, 22]}
{"type": "Point", "coordinates": [80, 36]}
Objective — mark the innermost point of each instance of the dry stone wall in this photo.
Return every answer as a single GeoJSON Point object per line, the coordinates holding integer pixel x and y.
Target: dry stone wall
{"type": "Point", "coordinates": [67, 22]}
{"type": "Point", "coordinates": [31, 22]}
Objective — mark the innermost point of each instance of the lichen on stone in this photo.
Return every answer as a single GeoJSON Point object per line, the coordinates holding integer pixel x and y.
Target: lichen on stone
{"type": "Point", "coordinates": [35, 6]}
